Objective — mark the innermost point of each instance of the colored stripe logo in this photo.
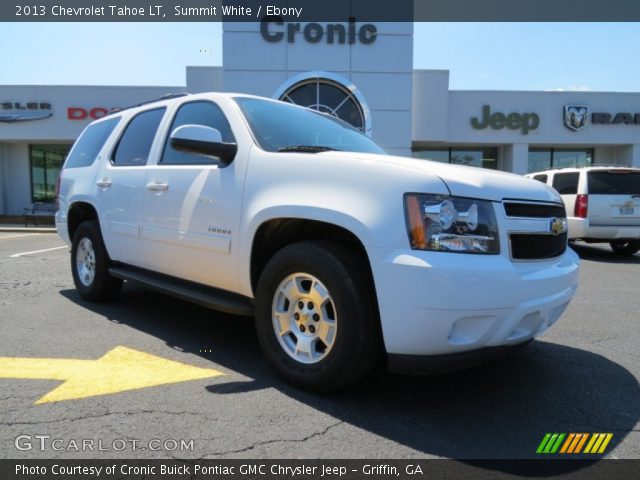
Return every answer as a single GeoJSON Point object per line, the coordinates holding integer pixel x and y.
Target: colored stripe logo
{"type": "Point", "coordinates": [573, 443]}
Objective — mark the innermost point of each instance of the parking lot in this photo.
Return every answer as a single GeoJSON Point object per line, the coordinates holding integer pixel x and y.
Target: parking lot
{"type": "Point", "coordinates": [582, 376]}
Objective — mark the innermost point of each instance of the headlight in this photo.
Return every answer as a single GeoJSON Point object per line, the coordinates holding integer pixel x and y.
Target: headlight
{"type": "Point", "coordinates": [451, 224]}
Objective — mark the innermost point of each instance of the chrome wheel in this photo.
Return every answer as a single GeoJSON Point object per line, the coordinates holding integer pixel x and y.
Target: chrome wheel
{"type": "Point", "coordinates": [86, 262]}
{"type": "Point", "coordinates": [304, 318]}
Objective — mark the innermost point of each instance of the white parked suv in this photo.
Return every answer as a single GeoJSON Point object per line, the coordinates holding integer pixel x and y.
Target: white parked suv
{"type": "Point", "coordinates": [603, 204]}
{"type": "Point", "coordinates": [345, 255]}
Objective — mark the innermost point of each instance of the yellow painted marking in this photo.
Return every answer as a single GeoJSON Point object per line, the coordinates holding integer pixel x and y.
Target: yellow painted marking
{"type": "Point", "coordinates": [606, 441]}
{"type": "Point", "coordinates": [119, 370]}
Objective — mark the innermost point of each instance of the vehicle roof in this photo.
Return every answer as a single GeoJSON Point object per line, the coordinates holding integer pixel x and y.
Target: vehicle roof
{"type": "Point", "coordinates": [583, 169]}
{"type": "Point", "coordinates": [180, 97]}
{"type": "Point", "coordinates": [167, 100]}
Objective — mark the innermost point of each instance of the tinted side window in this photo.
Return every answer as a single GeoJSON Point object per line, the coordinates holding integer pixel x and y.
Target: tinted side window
{"type": "Point", "coordinates": [207, 114]}
{"type": "Point", "coordinates": [135, 143]}
{"type": "Point", "coordinates": [566, 183]}
{"type": "Point", "coordinates": [90, 142]}
{"type": "Point", "coordinates": [540, 178]}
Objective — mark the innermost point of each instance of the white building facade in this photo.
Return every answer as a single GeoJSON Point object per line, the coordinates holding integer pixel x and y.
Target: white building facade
{"type": "Point", "coordinates": [360, 72]}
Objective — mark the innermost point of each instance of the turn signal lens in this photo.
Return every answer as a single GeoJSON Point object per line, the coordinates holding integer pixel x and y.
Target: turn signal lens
{"type": "Point", "coordinates": [416, 224]}
{"type": "Point", "coordinates": [582, 206]}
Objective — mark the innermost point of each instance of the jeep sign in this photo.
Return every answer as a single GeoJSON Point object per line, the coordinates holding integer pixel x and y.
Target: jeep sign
{"type": "Point", "coordinates": [525, 122]}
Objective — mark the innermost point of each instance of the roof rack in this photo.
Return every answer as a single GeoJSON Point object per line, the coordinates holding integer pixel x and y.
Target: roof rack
{"type": "Point", "coordinates": [168, 96]}
{"type": "Point", "coordinates": [590, 165]}
{"type": "Point", "coordinates": [607, 165]}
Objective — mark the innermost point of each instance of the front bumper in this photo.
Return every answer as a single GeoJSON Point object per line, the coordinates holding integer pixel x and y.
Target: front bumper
{"type": "Point", "coordinates": [437, 303]}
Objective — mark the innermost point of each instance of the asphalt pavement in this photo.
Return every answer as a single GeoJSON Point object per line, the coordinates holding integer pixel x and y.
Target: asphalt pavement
{"type": "Point", "coordinates": [581, 376]}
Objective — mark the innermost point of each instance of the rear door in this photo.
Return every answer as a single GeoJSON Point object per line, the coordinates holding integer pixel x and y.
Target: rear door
{"type": "Point", "coordinates": [121, 187]}
{"type": "Point", "coordinates": [614, 197]}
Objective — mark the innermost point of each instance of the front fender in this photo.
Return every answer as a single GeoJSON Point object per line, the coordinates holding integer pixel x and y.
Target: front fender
{"type": "Point", "coordinates": [302, 212]}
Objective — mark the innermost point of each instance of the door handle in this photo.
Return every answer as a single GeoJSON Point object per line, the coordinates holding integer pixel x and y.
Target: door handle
{"type": "Point", "coordinates": [158, 186]}
{"type": "Point", "coordinates": [104, 183]}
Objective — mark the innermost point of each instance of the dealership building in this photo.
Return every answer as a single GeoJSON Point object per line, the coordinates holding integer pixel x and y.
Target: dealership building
{"type": "Point", "coordinates": [360, 72]}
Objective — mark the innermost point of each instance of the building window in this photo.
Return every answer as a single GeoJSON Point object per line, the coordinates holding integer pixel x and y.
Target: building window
{"type": "Point", "coordinates": [46, 162]}
{"type": "Point", "coordinates": [330, 94]}
{"type": "Point", "coordinates": [433, 154]}
{"type": "Point", "coordinates": [539, 159]}
{"type": "Point", "coordinates": [547, 158]}
{"type": "Point", "coordinates": [485, 157]}
{"type": "Point", "coordinates": [571, 158]}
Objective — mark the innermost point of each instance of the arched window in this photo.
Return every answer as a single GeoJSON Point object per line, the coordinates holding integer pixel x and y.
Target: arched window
{"type": "Point", "coordinates": [330, 94]}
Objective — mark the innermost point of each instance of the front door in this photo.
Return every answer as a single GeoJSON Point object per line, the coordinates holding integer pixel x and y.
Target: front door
{"type": "Point", "coordinates": [192, 206]}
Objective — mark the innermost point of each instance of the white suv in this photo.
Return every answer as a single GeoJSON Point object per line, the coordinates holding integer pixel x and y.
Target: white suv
{"type": "Point", "coordinates": [603, 201]}
{"type": "Point", "coordinates": [344, 254]}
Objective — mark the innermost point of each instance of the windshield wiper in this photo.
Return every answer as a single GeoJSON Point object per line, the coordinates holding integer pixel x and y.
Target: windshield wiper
{"type": "Point", "coordinates": [307, 148]}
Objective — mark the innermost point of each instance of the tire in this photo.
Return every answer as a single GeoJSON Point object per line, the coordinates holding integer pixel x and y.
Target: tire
{"type": "Point", "coordinates": [348, 342]}
{"type": "Point", "coordinates": [90, 264]}
{"type": "Point", "coordinates": [625, 247]}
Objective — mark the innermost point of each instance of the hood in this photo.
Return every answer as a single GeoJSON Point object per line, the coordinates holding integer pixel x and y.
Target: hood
{"type": "Point", "coordinates": [472, 182]}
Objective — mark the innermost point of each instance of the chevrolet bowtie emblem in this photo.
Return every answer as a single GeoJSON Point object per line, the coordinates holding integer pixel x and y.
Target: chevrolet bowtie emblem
{"type": "Point", "coordinates": [557, 226]}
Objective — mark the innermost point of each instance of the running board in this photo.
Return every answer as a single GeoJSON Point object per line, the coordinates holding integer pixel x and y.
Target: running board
{"type": "Point", "coordinates": [202, 295]}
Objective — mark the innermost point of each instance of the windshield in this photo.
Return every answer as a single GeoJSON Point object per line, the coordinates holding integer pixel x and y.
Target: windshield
{"type": "Point", "coordinates": [279, 127]}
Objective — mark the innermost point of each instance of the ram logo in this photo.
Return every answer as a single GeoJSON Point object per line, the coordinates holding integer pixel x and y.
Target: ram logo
{"type": "Point", "coordinates": [576, 116]}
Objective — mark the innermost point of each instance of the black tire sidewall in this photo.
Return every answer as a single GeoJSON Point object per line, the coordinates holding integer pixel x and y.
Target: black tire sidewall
{"type": "Point", "coordinates": [103, 285]}
{"type": "Point", "coordinates": [625, 248]}
{"type": "Point", "coordinates": [356, 330]}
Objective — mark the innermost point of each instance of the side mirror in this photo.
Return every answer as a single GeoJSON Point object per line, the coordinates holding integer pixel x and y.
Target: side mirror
{"type": "Point", "coordinates": [204, 141]}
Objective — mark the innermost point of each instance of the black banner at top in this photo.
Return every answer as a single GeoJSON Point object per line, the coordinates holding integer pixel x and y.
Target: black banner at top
{"type": "Point", "coordinates": [320, 10]}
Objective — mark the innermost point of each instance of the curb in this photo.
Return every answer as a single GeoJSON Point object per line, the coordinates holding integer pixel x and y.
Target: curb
{"type": "Point", "coordinates": [28, 229]}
